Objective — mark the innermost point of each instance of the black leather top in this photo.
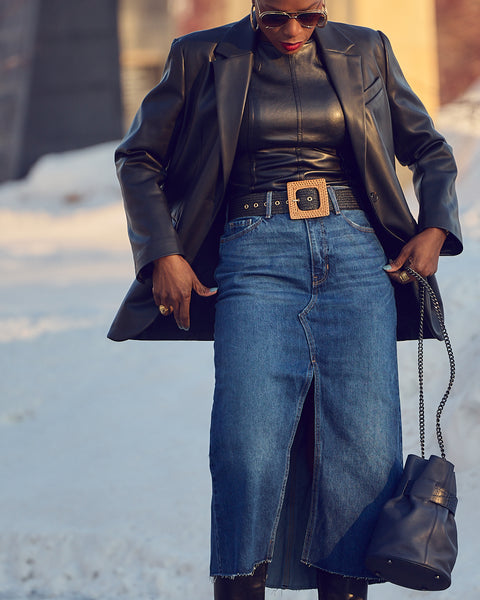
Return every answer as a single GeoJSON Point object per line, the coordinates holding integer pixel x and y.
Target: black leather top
{"type": "Point", "coordinates": [293, 125]}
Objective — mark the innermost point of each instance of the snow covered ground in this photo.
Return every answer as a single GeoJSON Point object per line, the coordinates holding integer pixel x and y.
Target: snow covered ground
{"type": "Point", "coordinates": [104, 447]}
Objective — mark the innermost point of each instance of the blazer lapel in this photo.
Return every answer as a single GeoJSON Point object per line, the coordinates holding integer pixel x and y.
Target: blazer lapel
{"type": "Point", "coordinates": [232, 70]}
{"type": "Point", "coordinates": [345, 70]}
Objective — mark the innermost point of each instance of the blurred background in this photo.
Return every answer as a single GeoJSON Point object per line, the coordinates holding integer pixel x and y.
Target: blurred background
{"type": "Point", "coordinates": [72, 74]}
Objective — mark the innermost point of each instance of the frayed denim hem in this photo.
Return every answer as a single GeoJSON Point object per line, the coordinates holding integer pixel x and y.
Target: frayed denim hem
{"type": "Point", "coordinates": [213, 578]}
{"type": "Point", "coordinates": [368, 580]}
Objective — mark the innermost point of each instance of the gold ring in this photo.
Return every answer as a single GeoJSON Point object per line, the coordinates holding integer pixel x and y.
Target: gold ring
{"type": "Point", "coordinates": [165, 310]}
{"type": "Point", "coordinates": [404, 276]}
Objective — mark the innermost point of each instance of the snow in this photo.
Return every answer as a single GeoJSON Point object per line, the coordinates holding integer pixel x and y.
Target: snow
{"type": "Point", "coordinates": [104, 447]}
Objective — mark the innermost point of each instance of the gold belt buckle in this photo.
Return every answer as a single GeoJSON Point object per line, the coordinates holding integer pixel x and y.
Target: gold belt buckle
{"type": "Point", "coordinates": [321, 186]}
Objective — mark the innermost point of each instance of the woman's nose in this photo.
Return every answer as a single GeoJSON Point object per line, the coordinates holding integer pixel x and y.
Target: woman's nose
{"type": "Point", "coordinates": [292, 28]}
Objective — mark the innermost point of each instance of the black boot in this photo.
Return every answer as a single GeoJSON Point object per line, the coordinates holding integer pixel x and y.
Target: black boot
{"type": "Point", "coordinates": [337, 587]}
{"type": "Point", "coordinates": [243, 587]}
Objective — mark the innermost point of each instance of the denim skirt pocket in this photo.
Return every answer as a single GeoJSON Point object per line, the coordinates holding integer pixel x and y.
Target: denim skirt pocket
{"type": "Point", "coordinates": [362, 236]}
{"type": "Point", "coordinates": [357, 219]}
{"type": "Point", "coordinates": [238, 227]}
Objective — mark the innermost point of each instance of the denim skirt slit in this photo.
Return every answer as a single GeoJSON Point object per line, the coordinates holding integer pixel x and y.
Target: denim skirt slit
{"type": "Point", "coordinates": [305, 441]}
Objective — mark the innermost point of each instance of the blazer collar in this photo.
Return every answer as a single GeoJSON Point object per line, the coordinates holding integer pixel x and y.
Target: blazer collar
{"type": "Point", "coordinates": [332, 39]}
{"type": "Point", "coordinates": [238, 40]}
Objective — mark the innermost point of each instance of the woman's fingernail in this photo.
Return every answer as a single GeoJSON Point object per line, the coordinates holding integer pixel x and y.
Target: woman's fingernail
{"type": "Point", "coordinates": [213, 290]}
{"type": "Point", "coordinates": [387, 268]}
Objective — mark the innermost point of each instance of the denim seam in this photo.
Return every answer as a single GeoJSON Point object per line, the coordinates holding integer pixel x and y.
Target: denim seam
{"type": "Point", "coordinates": [316, 280]}
{"type": "Point", "coordinates": [214, 506]}
{"type": "Point", "coordinates": [214, 517]}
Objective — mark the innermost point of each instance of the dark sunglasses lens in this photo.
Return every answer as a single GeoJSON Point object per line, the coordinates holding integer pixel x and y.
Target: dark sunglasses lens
{"type": "Point", "coordinates": [306, 19]}
{"type": "Point", "coordinates": [274, 19]}
{"type": "Point", "coordinates": [311, 19]}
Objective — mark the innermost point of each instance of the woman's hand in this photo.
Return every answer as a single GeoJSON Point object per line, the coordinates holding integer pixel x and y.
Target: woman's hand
{"type": "Point", "coordinates": [173, 282]}
{"type": "Point", "coordinates": [421, 253]}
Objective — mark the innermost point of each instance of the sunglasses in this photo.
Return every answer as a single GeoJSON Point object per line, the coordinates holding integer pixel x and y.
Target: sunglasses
{"type": "Point", "coordinates": [278, 18]}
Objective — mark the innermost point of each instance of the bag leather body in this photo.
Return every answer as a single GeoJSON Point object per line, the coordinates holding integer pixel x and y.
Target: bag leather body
{"type": "Point", "coordinates": [415, 541]}
{"type": "Point", "coordinates": [175, 162]}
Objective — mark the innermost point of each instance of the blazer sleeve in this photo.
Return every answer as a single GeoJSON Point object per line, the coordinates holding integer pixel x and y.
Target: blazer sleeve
{"type": "Point", "coordinates": [142, 163]}
{"type": "Point", "coordinates": [425, 151]}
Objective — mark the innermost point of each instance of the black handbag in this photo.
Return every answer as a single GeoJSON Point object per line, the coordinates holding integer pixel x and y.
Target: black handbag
{"type": "Point", "coordinates": [414, 543]}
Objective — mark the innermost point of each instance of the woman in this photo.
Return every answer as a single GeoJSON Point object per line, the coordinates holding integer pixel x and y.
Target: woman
{"type": "Point", "coordinates": [281, 131]}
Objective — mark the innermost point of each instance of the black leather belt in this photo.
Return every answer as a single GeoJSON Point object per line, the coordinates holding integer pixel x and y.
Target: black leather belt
{"type": "Point", "coordinates": [307, 199]}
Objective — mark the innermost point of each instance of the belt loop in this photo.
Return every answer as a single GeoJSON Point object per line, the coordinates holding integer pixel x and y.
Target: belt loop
{"type": "Point", "coordinates": [268, 210]}
{"type": "Point", "coordinates": [333, 199]}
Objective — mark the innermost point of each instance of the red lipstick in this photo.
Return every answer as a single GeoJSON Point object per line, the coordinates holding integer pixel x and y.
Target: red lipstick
{"type": "Point", "coordinates": [291, 47]}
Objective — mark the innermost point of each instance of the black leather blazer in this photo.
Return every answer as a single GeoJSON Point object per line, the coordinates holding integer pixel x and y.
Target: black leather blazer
{"type": "Point", "coordinates": [175, 162]}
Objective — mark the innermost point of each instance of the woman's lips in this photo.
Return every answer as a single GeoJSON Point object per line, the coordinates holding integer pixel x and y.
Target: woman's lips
{"type": "Point", "coordinates": [291, 47]}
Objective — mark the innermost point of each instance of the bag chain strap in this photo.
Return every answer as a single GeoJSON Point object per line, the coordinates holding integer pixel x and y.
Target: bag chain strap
{"type": "Point", "coordinates": [426, 287]}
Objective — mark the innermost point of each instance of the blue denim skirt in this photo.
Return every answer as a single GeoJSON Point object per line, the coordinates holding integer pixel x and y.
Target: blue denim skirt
{"type": "Point", "coordinates": [304, 310]}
